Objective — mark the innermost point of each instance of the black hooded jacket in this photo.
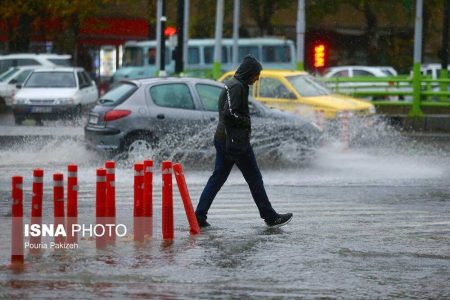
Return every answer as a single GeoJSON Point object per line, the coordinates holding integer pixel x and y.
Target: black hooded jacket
{"type": "Point", "coordinates": [234, 111]}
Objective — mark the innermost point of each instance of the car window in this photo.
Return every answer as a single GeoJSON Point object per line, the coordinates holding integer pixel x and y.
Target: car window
{"type": "Point", "coordinates": [274, 88]}
{"type": "Point", "coordinates": [308, 86]}
{"type": "Point", "coordinates": [342, 73]}
{"type": "Point", "coordinates": [64, 62]}
{"type": "Point", "coordinates": [6, 75]}
{"type": "Point", "coordinates": [193, 55]}
{"type": "Point", "coordinates": [117, 94]}
{"type": "Point", "coordinates": [175, 95]}
{"type": "Point", "coordinates": [51, 79]}
{"type": "Point", "coordinates": [208, 54]}
{"type": "Point", "coordinates": [5, 64]}
{"type": "Point", "coordinates": [22, 76]}
{"type": "Point", "coordinates": [27, 62]}
{"type": "Point", "coordinates": [276, 54]}
{"type": "Point", "coordinates": [244, 50]}
{"type": "Point", "coordinates": [133, 57]}
{"type": "Point", "coordinates": [209, 95]}
{"type": "Point", "coordinates": [362, 73]}
{"type": "Point", "coordinates": [87, 78]}
{"type": "Point", "coordinates": [81, 80]}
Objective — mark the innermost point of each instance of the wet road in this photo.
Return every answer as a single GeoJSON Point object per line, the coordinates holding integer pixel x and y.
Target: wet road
{"type": "Point", "coordinates": [368, 223]}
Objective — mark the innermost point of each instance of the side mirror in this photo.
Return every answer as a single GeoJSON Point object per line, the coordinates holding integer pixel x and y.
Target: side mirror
{"type": "Point", "coordinates": [19, 86]}
{"type": "Point", "coordinates": [13, 81]}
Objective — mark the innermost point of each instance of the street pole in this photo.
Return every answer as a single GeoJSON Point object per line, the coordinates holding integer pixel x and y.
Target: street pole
{"type": "Point", "coordinates": [237, 4]}
{"type": "Point", "coordinates": [186, 31]}
{"type": "Point", "coordinates": [180, 37]}
{"type": "Point", "coordinates": [162, 45]}
{"type": "Point", "coordinates": [444, 50]}
{"type": "Point", "coordinates": [415, 109]}
{"type": "Point", "coordinates": [301, 35]}
{"type": "Point", "coordinates": [218, 43]}
{"type": "Point", "coordinates": [158, 36]}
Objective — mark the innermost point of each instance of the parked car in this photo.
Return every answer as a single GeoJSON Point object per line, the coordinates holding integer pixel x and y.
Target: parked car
{"type": "Point", "coordinates": [52, 93]}
{"type": "Point", "coordinates": [367, 72]}
{"type": "Point", "coordinates": [32, 59]}
{"type": "Point", "coordinates": [9, 81]}
{"type": "Point", "coordinates": [299, 92]}
{"type": "Point", "coordinates": [139, 116]}
{"type": "Point", "coordinates": [355, 71]}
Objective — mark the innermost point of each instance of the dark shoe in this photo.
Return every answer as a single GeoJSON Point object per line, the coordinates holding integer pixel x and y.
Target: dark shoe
{"type": "Point", "coordinates": [279, 221]}
{"type": "Point", "coordinates": [202, 222]}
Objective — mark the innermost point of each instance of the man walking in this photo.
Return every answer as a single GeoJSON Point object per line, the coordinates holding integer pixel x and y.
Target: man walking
{"type": "Point", "coordinates": [232, 143]}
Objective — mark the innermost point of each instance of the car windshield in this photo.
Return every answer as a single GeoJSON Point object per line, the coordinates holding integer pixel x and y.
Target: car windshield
{"type": "Point", "coordinates": [308, 86]}
{"type": "Point", "coordinates": [117, 94]}
{"type": "Point", "coordinates": [51, 80]}
{"type": "Point", "coordinates": [6, 75]}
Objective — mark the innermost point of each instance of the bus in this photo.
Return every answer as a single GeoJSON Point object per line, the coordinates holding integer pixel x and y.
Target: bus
{"type": "Point", "coordinates": [139, 57]}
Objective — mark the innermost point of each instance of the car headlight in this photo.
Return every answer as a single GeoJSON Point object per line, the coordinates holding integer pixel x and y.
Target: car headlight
{"type": "Point", "coordinates": [19, 101]}
{"type": "Point", "coordinates": [63, 101]}
{"type": "Point", "coordinates": [372, 109]}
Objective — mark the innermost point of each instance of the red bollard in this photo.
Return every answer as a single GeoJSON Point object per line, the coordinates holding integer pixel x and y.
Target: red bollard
{"type": "Point", "coordinates": [138, 212]}
{"type": "Point", "coordinates": [148, 188]}
{"type": "Point", "coordinates": [167, 201]}
{"type": "Point", "coordinates": [344, 130]}
{"type": "Point", "coordinates": [111, 197]}
{"type": "Point", "coordinates": [58, 204]}
{"type": "Point", "coordinates": [182, 187]}
{"type": "Point", "coordinates": [72, 202]}
{"type": "Point", "coordinates": [17, 235]}
{"type": "Point", "coordinates": [148, 198]}
{"type": "Point", "coordinates": [36, 208]}
{"type": "Point", "coordinates": [100, 206]}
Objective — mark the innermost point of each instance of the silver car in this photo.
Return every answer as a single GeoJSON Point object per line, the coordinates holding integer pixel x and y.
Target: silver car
{"type": "Point", "coordinates": [138, 117]}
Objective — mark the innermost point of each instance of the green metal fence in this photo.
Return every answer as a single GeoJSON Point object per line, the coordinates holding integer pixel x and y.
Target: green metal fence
{"type": "Point", "coordinates": [396, 91]}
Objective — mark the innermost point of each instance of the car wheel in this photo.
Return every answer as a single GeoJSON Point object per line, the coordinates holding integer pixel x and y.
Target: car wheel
{"type": "Point", "coordinates": [139, 147]}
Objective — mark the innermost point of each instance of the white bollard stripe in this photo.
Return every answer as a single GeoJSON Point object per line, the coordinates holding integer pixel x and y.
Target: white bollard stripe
{"type": "Point", "coordinates": [72, 174]}
{"type": "Point", "coordinates": [19, 186]}
{"type": "Point", "coordinates": [149, 169]}
{"type": "Point", "coordinates": [101, 178]}
{"type": "Point", "coordinates": [167, 171]}
{"type": "Point", "coordinates": [38, 179]}
{"type": "Point", "coordinates": [112, 184]}
{"type": "Point", "coordinates": [110, 170]}
{"type": "Point", "coordinates": [138, 173]}
{"type": "Point", "coordinates": [75, 188]}
{"type": "Point", "coordinates": [58, 183]}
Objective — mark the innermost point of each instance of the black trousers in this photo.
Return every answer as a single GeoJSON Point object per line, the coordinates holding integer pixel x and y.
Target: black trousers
{"type": "Point", "coordinates": [249, 168]}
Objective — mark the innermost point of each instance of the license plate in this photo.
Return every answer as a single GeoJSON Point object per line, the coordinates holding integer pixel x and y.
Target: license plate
{"type": "Point", "coordinates": [93, 119]}
{"type": "Point", "coordinates": [41, 109]}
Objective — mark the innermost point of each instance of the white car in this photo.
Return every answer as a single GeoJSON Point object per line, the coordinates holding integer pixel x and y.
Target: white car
{"type": "Point", "coordinates": [354, 71]}
{"type": "Point", "coordinates": [363, 71]}
{"type": "Point", "coordinates": [53, 93]}
{"type": "Point", "coordinates": [9, 81]}
{"type": "Point", "coordinates": [31, 59]}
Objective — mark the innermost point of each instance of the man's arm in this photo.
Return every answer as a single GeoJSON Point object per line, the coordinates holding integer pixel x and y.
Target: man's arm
{"type": "Point", "coordinates": [233, 100]}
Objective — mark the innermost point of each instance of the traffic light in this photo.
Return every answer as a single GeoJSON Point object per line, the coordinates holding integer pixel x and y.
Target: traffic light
{"type": "Point", "coordinates": [320, 56]}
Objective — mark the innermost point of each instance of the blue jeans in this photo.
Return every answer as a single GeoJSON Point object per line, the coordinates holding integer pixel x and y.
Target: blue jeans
{"type": "Point", "coordinates": [249, 168]}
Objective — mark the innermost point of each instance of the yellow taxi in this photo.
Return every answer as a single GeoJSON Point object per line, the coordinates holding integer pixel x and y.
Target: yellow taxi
{"type": "Point", "coordinates": [299, 92]}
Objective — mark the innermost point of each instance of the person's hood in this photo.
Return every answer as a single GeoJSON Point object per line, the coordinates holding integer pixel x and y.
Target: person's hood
{"type": "Point", "coordinates": [249, 67]}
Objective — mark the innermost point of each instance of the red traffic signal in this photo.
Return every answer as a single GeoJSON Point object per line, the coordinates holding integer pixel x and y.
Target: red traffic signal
{"type": "Point", "coordinates": [169, 31]}
{"type": "Point", "coordinates": [320, 55]}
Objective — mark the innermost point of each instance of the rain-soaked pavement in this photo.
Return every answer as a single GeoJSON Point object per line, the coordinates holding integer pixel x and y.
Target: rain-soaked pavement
{"type": "Point", "coordinates": [369, 222]}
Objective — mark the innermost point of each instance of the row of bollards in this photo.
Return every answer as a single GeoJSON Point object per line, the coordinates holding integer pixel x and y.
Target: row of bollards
{"type": "Point", "coordinates": [105, 207]}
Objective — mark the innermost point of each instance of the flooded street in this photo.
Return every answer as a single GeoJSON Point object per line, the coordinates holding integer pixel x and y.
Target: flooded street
{"type": "Point", "coordinates": [369, 222]}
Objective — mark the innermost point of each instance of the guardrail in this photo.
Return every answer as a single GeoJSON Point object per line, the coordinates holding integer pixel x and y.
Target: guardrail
{"type": "Point", "coordinates": [396, 91]}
